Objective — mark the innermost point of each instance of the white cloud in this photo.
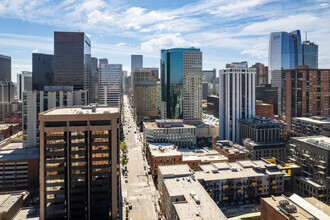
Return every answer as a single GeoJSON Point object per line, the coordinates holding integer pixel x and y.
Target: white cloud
{"type": "Point", "coordinates": [120, 44]}
{"type": "Point", "coordinates": [164, 41]}
{"type": "Point", "coordinates": [259, 50]}
{"type": "Point", "coordinates": [35, 51]}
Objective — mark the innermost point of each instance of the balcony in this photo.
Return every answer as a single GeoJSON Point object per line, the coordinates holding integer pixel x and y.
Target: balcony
{"type": "Point", "coordinates": [254, 183]}
{"type": "Point", "coordinates": [274, 187]}
{"type": "Point", "coordinates": [225, 198]}
{"type": "Point", "coordinates": [239, 191]}
{"type": "Point", "coordinates": [274, 181]}
{"type": "Point", "coordinates": [260, 188]}
{"type": "Point", "coordinates": [225, 186]}
{"type": "Point", "coordinates": [246, 196]}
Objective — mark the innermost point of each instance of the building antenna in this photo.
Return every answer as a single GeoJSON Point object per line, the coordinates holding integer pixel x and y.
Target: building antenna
{"type": "Point", "coordinates": [306, 36]}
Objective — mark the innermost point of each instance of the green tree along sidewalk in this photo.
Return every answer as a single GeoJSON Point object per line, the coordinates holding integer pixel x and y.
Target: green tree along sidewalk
{"type": "Point", "coordinates": [123, 148]}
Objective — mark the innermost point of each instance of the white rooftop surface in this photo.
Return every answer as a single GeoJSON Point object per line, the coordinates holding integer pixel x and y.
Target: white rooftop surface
{"type": "Point", "coordinates": [205, 155]}
{"type": "Point", "coordinates": [7, 200]}
{"type": "Point", "coordinates": [211, 172]}
{"type": "Point", "coordinates": [313, 120]}
{"type": "Point", "coordinates": [174, 170]}
{"type": "Point", "coordinates": [309, 207]}
{"type": "Point", "coordinates": [319, 141]}
{"type": "Point", "coordinates": [161, 150]}
{"type": "Point", "coordinates": [81, 110]}
{"type": "Point", "coordinates": [25, 213]}
{"type": "Point", "coordinates": [189, 208]}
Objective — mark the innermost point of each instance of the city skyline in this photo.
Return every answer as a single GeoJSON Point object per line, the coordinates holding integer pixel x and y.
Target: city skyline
{"type": "Point", "coordinates": [225, 32]}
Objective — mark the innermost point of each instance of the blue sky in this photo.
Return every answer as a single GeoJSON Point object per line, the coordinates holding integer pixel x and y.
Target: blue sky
{"type": "Point", "coordinates": [226, 31]}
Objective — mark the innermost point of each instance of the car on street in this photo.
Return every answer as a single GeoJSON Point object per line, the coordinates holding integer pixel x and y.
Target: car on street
{"type": "Point", "coordinates": [130, 205]}
{"type": "Point", "coordinates": [126, 179]}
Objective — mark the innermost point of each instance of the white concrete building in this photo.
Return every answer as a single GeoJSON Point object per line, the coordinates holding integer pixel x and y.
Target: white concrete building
{"type": "Point", "coordinates": [24, 83]}
{"type": "Point", "coordinates": [35, 102]}
{"type": "Point", "coordinates": [110, 84]}
{"type": "Point", "coordinates": [237, 98]}
{"type": "Point", "coordinates": [170, 131]}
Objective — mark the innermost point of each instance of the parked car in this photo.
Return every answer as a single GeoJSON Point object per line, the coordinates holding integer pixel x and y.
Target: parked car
{"type": "Point", "coordinates": [130, 205]}
{"type": "Point", "coordinates": [126, 179]}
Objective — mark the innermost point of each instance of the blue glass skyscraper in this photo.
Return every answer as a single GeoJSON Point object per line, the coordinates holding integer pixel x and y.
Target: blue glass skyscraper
{"type": "Point", "coordinates": [285, 52]}
{"type": "Point", "coordinates": [181, 84]}
{"type": "Point", "coordinates": [310, 53]}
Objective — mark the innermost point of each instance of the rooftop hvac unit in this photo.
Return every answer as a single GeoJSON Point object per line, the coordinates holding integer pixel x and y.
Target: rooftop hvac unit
{"type": "Point", "coordinates": [284, 203]}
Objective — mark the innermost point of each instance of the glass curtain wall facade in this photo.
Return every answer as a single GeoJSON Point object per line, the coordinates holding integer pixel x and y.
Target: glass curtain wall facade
{"type": "Point", "coordinates": [42, 71]}
{"type": "Point", "coordinates": [181, 84]}
{"type": "Point", "coordinates": [310, 53]}
{"type": "Point", "coordinates": [285, 52]}
{"type": "Point", "coordinates": [72, 60]}
{"type": "Point", "coordinates": [5, 68]}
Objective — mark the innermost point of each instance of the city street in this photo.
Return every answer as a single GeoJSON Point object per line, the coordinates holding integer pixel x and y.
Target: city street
{"type": "Point", "coordinates": [140, 190]}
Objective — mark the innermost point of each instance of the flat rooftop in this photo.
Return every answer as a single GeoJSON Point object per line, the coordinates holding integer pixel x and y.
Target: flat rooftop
{"type": "Point", "coordinates": [6, 126]}
{"type": "Point", "coordinates": [194, 202]}
{"type": "Point", "coordinates": [27, 213]}
{"type": "Point", "coordinates": [15, 151]}
{"type": "Point", "coordinates": [227, 171]}
{"type": "Point", "coordinates": [7, 200]}
{"type": "Point", "coordinates": [318, 141]}
{"type": "Point", "coordinates": [274, 202]}
{"type": "Point", "coordinates": [205, 155]}
{"type": "Point", "coordinates": [81, 110]}
{"type": "Point", "coordinates": [153, 125]}
{"type": "Point", "coordinates": [257, 120]}
{"type": "Point", "coordinates": [174, 170]}
{"type": "Point", "coordinates": [316, 120]}
{"type": "Point", "coordinates": [163, 150]}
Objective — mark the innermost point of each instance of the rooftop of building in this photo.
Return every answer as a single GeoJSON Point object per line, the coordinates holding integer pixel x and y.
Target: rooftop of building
{"type": "Point", "coordinates": [154, 125]}
{"type": "Point", "coordinates": [253, 143]}
{"type": "Point", "coordinates": [163, 150]}
{"type": "Point", "coordinates": [174, 170]}
{"type": "Point", "coordinates": [8, 199]}
{"type": "Point", "coordinates": [205, 155]}
{"type": "Point", "coordinates": [6, 126]}
{"type": "Point", "coordinates": [258, 120]}
{"type": "Point", "coordinates": [15, 151]}
{"type": "Point", "coordinates": [230, 147]}
{"type": "Point", "coordinates": [194, 202]}
{"type": "Point", "coordinates": [304, 210]}
{"type": "Point", "coordinates": [81, 110]}
{"type": "Point", "coordinates": [236, 170]}
{"type": "Point", "coordinates": [27, 213]}
{"type": "Point", "coordinates": [311, 182]}
{"type": "Point", "coordinates": [209, 120]}
{"type": "Point", "coordinates": [314, 119]}
{"type": "Point", "coordinates": [318, 141]}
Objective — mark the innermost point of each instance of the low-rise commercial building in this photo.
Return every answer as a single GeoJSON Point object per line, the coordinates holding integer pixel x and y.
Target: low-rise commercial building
{"type": "Point", "coordinates": [170, 131]}
{"type": "Point", "coordinates": [7, 130]}
{"type": "Point", "coordinates": [183, 197]}
{"type": "Point", "coordinates": [208, 128]}
{"type": "Point", "coordinates": [235, 183]}
{"type": "Point", "coordinates": [263, 137]}
{"type": "Point", "coordinates": [167, 154]}
{"type": "Point", "coordinates": [230, 150]}
{"type": "Point", "coordinates": [293, 208]}
{"type": "Point", "coordinates": [312, 153]}
{"type": "Point", "coordinates": [19, 167]}
{"type": "Point", "coordinates": [13, 118]}
{"type": "Point", "coordinates": [11, 202]}
{"type": "Point", "coordinates": [304, 126]}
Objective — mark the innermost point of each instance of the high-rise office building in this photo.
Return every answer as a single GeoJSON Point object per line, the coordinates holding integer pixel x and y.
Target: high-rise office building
{"type": "Point", "coordinates": [35, 102]}
{"type": "Point", "coordinates": [210, 76]}
{"type": "Point", "coordinates": [261, 74]}
{"type": "Point", "coordinates": [140, 75]}
{"type": "Point", "coordinates": [110, 85]}
{"type": "Point", "coordinates": [42, 71]}
{"type": "Point", "coordinates": [285, 52]}
{"type": "Point", "coordinates": [124, 82]}
{"type": "Point", "coordinates": [268, 94]}
{"type": "Point", "coordinates": [181, 82]}
{"type": "Point", "coordinates": [136, 62]}
{"type": "Point", "coordinates": [93, 94]}
{"type": "Point", "coordinates": [79, 163]}
{"type": "Point", "coordinates": [5, 68]}
{"type": "Point", "coordinates": [72, 60]}
{"type": "Point", "coordinates": [310, 53]}
{"type": "Point", "coordinates": [236, 99]}
{"type": "Point", "coordinates": [305, 93]}
{"type": "Point", "coordinates": [7, 91]}
{"type": "Point", "coordinates": [24, 83]}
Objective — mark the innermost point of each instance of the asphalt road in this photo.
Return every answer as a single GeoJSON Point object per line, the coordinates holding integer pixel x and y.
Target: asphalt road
{"type": "Point", "coordinates": [139, 190]}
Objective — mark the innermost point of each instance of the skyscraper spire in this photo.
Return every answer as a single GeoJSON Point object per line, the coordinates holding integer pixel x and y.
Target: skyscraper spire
{"type": "Point", "coordinates": [306, 36]}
